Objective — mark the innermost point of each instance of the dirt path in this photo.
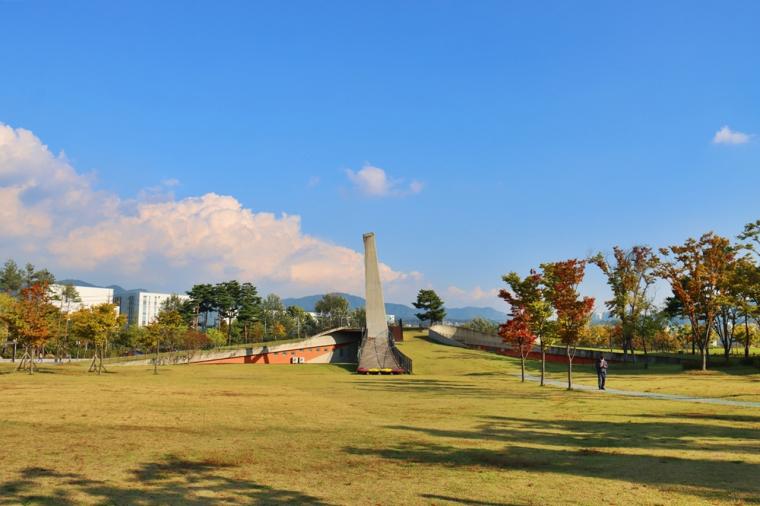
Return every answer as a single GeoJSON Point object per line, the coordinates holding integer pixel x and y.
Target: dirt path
{"type": "Point", "coordinates": [649, 395]}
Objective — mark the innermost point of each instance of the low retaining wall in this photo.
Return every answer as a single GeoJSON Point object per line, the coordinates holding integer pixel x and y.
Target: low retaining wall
{"type": "Point", "coordinates": [336, 346]}
{"type": "Point", "coordinates": [459, 336]}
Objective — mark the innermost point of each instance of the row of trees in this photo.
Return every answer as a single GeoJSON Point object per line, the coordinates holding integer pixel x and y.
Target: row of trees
{"type": "Point", "coordinates": [715, 284]}
{"type": "Point", "coordinates": [32, 316]}
{"type": "Point", "coordinates": [40, 320]}
{"type": "Point", "coordinates": [244, 316]}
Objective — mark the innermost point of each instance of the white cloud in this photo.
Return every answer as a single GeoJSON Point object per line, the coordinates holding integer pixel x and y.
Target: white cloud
{"type": "Point", "coordinates": [156, 241]}
{"type": "Point", "coordinates": [727, 136]}
{"type": "Point", "coordinates": [373, 181]}
{"type": "Point", "coordinates": [475, 296]}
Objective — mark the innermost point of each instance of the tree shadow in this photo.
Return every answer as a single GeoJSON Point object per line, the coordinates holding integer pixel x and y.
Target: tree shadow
{"type": "Point", "coordinates": [459, 500]}
{"type": "Point", "coordinates": [707, 478]}
{"type": "Point", "coordinates": [172, 481]}
{"type": "Point", "coordinates": [599, 449]}
{"type": "Point", "coordinates": [599, 434]}
{"type": "Point", "coordinates": [346, 366]}
{"type": "Point", "coordinates": [409, 384]}
{"type": "Point", "coordinates": [706, 416]}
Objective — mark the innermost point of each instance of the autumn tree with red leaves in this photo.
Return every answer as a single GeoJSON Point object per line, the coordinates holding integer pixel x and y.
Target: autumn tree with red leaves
{"type": "Point", "coordinates": [561, 281]}
{"type": "Point", "coordinates": [516, 331]}
{"type": "Point", "coordinates": [529, 316]}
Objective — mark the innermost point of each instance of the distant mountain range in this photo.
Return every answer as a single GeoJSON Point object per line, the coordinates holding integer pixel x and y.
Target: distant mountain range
{"type": "Point", "coordinates": [458, 314]}
{"type": "Point", "coordinates": [79, 282]}
{"type": "Point", "coordinates": [400, 311]}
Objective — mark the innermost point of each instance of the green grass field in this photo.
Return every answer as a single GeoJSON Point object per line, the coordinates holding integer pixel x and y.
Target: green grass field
{"type": "Point", "coordinates": [461, 430]}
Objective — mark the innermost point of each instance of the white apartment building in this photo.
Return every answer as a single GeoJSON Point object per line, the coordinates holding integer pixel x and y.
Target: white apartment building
{"type": "Point", "coordinates": [89, 296]}
{"type": "Point", "coordinates": [140, 307]}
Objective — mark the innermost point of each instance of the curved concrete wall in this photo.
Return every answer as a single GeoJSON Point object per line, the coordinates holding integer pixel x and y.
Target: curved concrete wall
{"type": "Point", "coordinates": [333, 346]}
{"type": "Point", "coordinates": [447, 334]}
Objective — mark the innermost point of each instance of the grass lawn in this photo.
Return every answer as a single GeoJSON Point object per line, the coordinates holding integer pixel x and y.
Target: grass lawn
{"type": "Point", "coordinates": [738, 383]}
{"type": "Point", "coordinates": [461, 430]}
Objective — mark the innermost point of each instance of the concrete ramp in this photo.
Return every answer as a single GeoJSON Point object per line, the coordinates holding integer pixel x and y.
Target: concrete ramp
{"type": "Point", "coordinates": [333, 346]}
{"type": "Point", "coordinates": [377, 354]}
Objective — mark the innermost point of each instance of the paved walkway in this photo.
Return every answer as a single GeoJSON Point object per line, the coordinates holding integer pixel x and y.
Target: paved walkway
{"type": "Point", "coordinates": [648, 395]}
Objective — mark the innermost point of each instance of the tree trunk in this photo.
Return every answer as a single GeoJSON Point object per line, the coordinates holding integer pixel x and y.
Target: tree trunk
{"type": "Point", "coordinates": [746, 337]}
{"type": "Point", "coordinates": [569, 368]}
{"type": "Point", "coordinates": [543, 363]}
{"type": "Point", "coordinates": [704, 348]}
{"type": "Point", "coordinates": [522, 367]}
{"type": "Point", "coordinates": [155, 362]}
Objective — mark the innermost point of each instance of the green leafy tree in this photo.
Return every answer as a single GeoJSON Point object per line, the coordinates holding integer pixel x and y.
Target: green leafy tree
{"type": "Point", "coordinates": [68, 297]}
{"type": "Point", "coordinates": [32, 276]}
{"type": "Point", "coordinates": [629, 277]}
{"type": "Point", "coordinates": [131, 337]}
{"type": "Point", "coordinates": [731, 293]}
{"type": "Point", "coordinates": [184, 307]}
{"type": "Point", "coordinates": [97, 324]}
{"type": "Point", "coordinates": [250, 308]}
{"type": "Point", "coordinates": [203, 300]}
{"type": "Point", "coordinates": [746, 284]}
{"type": "Point", "coordinates": [216, 337]}
{"type": "Point", "coordinates": [359, 317]}
{"type": "Point", "coordinates": [168, 329]}
{"type": "Point", "coordinates": [11, 278]}
{"type": "Point", "coordinates": [305, 324]}
{"type": "Point", "coordinates": [257, 332]}
{"type": "Point", "coordinates": [650, 327]}
{"type": "Point", "coordinates": [299, 317]}
{"type": "Point", "coordinates": [7, 315]}
{"type": "Point", "coordinates": [430, 306]}
{"type": "Point", "coordinates": [747, 281]}
{"type": "Point", "coordinates": [482, 325]}
{"type": "Point", "coordinates": [227, 296]}
{"type": "Point", "coordinates": [333, 308]}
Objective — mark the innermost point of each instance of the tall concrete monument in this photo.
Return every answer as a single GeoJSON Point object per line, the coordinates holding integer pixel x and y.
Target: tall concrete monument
{"type": "Point", "coordinates": [377, 353]}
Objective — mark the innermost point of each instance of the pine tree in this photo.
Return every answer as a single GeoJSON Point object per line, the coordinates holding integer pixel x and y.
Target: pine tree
{"type": "Point", "coordinates": [431, 305]}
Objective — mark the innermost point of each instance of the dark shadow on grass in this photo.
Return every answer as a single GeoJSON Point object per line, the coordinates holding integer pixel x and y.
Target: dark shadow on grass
{"type": "Point", "coordinates": [705, 416]}
{"type": "Point", "coordinates": [346, 367]}
{"type": "Point", "coordinates": [460, 500]}
{"type": "Point", "coordinates": [599, 449]}
{"type": "Point", "coordinates": [171, 481]}
{"type": "Point", "coordinates": [706, 478]}
{"type": "Point", "coordinates": [598, 434]}
{"type": "Point", "coordinates": [410, 384]}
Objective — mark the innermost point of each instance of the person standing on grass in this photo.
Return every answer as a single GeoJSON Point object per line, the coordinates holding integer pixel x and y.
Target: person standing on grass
{"type": "Point", "coordinates": [601, 372]}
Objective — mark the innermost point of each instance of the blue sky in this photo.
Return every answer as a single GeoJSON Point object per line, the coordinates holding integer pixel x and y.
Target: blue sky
{"type": "Point", "coordinates": [509, 133]}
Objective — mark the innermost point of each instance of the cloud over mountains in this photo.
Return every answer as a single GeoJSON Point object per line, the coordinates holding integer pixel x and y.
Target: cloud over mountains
{"type": "Point", "coordinates": [53, 213]}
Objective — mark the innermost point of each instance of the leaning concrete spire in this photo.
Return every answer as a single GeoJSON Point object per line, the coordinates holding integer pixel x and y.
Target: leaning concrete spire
{"type": "Point", "coordinates": [376, 353]}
